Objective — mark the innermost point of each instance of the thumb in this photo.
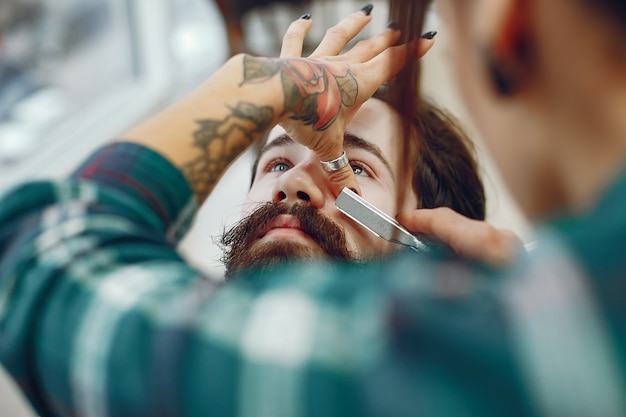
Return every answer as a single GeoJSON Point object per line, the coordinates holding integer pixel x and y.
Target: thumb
{"type": "Point", "coordinates": [469, 238]}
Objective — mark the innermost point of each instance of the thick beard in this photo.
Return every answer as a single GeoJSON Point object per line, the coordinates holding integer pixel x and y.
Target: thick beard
{"type": "Point", "coordinates": [243, 252]}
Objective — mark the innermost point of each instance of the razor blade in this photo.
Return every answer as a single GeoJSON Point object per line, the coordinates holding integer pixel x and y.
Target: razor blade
{"type": "Point", "coordinates": [376, 221]}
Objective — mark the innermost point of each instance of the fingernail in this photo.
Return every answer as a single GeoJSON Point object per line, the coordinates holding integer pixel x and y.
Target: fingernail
{"type": "Point", "coordinates": [393, 25]}
{"type": "Point", "coordinates": [429, 35]}
{"type": "Point", "coordinates": [367, 9]}
{"type": "Point", "coordinates": [306, 16]}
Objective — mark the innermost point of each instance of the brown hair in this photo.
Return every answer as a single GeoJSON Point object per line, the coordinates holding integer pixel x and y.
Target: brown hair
{"type": "Point", "coordinates": [403, 90]}
{"type": "Point", "coordinates": [442, 160]}
{"type": "Point", "coordinates": [435, 147]}
{"type": "Point", "coordinates": [445, 172]}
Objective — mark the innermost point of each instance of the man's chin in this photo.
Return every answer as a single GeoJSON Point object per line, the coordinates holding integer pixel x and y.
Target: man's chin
{"type": "Point", "coordinates": [264, 255]}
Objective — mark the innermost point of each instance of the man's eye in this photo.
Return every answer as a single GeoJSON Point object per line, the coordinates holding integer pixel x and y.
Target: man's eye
{"type": "Point", "coordinates": [358, 170]}
{"type": "Point", "coordinates": [279, 167]}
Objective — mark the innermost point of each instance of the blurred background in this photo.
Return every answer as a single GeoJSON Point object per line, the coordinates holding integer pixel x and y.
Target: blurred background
{"type": "Point", "coordinates": [76, 73]}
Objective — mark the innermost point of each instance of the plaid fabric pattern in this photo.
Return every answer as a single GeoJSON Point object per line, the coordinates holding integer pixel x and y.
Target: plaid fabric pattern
{"type": "Point", "coordinates": [99, 316]}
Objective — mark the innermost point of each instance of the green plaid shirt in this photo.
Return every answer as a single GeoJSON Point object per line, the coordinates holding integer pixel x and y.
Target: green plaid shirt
{"type": "Point", "coordinates": [99, 315]}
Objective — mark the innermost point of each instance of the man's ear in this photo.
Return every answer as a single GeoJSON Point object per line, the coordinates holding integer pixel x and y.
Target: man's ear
{"type": "Point", "coordinates": [510, 55]}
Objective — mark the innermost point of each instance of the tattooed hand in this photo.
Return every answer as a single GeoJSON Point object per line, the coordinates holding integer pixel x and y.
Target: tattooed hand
{"type": "Point", "coordinates": [316, 93]}
{"type": "Point", "coordinates": [323, 91]}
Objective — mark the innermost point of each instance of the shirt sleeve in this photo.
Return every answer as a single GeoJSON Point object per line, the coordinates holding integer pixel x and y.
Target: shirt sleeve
{"type": "Point", "coordinates": [99, 316]}
{"type": "Point", "coordinates": [76, 258]}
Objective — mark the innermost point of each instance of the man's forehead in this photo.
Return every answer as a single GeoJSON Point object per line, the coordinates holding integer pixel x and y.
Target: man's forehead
{"type": "Point", "coordinates": [375, 122]}
{"type": "Point", "coordinates": [274, 134]}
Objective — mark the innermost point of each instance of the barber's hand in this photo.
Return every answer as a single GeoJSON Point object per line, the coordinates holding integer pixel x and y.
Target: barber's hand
{"type": "Point", "coordinates": [469, 238]}
{"type": "Point", "coordinates": [323, 91]}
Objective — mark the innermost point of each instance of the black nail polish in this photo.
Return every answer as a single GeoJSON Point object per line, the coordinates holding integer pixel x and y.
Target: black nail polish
{"type": "Point", "coordinates": [429, 35]}
{"type": "Point", "coordinates": [393, 25]}
{"type": "Point", "coordinates": [306, 16]}
{"type": "Point", "coordinates": [367, 9]}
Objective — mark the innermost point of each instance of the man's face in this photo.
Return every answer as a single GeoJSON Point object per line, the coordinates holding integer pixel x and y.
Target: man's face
{"type": "Point", "coordinates": [289, 175]}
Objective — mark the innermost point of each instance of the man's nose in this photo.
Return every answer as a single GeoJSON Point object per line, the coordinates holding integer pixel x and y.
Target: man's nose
{"type": "Point", "coordinates": [301, 183]}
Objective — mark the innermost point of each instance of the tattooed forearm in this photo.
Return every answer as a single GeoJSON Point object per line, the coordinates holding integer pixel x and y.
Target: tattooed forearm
{"type": "Point", "coordinates": [313, 92]}
{"type": "Point", "coordinates": [217, 150]}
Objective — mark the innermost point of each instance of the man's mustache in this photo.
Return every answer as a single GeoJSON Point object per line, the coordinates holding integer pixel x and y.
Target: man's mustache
{"type": "Point", "coordinates": [238, 241]}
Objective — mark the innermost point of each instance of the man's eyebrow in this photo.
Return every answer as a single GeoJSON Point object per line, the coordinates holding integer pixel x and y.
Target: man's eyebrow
{"type": "Point", "coordinates": [353, 141]}
{"type": "Point", "coordinates": [282, 140]}
{"type": "Point", "coordinates": [349, 141]}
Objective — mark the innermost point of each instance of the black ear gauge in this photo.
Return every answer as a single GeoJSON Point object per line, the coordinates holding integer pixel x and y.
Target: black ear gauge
{"type": "Point", "coordinates": [502, 81]}
{"type": "Point", "coordinates": [508, 71]}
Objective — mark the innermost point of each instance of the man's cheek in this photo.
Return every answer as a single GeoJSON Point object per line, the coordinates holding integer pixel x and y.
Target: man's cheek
{"type": "Point", "coordinates": [246, 210]}
{"type": "Point", "coordinates": [367, 245]}
{"type": "Point", "coordinates": [251, 203]}
{"type": "Point", "coordinates": [360, 241]}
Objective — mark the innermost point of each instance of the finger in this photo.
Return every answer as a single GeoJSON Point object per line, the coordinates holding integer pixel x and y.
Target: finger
{"type": "Point", "coordinates": [423, 46]}
{"type": "Point", "coordinates": [344, 178]}
{"type": "Point", "coordinates": [388, 63]}
{"type": "Point", "coordinates": [339, 35]}
{"type": "Point", "coordinates": [293, 39]}
{"type": "Point", "coordinates": [468, 238]}
{"type": "Point", "coordinates": [367, 49]}
{"type": "Point", "coordinates": [339, 177]}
